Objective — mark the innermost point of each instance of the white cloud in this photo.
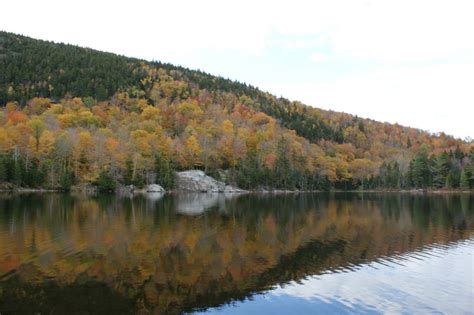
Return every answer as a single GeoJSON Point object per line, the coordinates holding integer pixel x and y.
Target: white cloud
{"type": "Point", "coordinates": [385, 30]}
{"type": "Point", "coordinates": [436, 98]}
{"type": "Point", "coordinates": [401, 31]}
{"type": "Point", "coordinates": [318, 57]}
{"type": "Point", "coordinates": [150, 29]}
{"type": "Point", "coordinates": [374, 285]}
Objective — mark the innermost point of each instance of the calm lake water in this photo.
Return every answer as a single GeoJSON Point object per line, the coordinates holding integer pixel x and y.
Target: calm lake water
{"type": "Point", "coordinates": [250, 254]}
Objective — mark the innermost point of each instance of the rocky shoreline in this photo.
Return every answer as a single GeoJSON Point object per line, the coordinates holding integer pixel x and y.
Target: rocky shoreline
{"type": "Point", "coordinates": [125, 190]}
{"type": "Point", "coordinates": [196, 181]}
{"type": "Point", "coordinates": [186, 181]}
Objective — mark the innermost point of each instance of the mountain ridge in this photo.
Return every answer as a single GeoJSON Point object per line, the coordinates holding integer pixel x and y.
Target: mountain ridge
{"type": "Point", "coordinates": [233, 82]}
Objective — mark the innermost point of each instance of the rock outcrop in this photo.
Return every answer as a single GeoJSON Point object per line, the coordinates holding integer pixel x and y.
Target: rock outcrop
{"type": "Point", "coordinates": [198, 181]}
{"type": "Point", "coordinates": [131, 189]}
{"type": "Point", "coordinates": [154, 188]}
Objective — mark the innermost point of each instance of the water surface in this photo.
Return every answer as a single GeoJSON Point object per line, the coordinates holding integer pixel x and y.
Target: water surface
{"type": "Point", "coordinates": [250, 254]}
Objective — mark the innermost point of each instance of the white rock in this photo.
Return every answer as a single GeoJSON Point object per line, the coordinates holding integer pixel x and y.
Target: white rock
{"type": "Point", "coordinates": [154, 188]}
{"type": "Point", "coordinates": [198, 181]}
{"type": "Point", "coordinates": [232, 189]}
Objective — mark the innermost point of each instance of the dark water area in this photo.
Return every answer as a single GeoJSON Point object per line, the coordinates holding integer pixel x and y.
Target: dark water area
{"type": "Point", "coordinates": [324, 253]}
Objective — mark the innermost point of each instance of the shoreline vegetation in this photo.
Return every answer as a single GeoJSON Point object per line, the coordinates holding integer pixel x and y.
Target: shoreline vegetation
{"type": "Point", "coordinates": [196, 181]}
{"type": "Point", "coordinates": [95, 190]}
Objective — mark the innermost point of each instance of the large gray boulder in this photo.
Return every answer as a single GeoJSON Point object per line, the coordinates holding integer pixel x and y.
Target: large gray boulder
{"type": "Point", "coordinates": [198, 181]}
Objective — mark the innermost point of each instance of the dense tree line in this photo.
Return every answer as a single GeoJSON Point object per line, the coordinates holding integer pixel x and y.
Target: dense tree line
{"type": "Point", "coordinates": [447, 170]}
{"type": "Point", "coordinates": [127, 141]}
{"type": "Point", "coordinates": [30, 68]}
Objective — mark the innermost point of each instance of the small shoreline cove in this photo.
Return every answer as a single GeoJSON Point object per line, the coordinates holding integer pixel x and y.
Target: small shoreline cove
{"type": "Point", "coordinates": [247, 253]}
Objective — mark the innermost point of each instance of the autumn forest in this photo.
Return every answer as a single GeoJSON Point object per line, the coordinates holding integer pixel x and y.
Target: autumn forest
{"type": "Point", "coordinates": [73, 116]}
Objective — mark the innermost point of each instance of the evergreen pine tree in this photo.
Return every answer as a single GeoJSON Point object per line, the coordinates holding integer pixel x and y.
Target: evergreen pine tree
{"type": "Point", "coordinates": [421, 171]}
{"type": "Point", "coordinates": [409, 182]}
{"type": "Point", "coordinates": [66, 179]}
{"type": "Point", "coordinates": [3, 170]}
{"type": "Point", "coordinates": [449, 180]}
{"type": "Point", "coordinates": [105, 182]}
{"type": "Point", "coordinates": [388, 176]}
{"type": "Point", "coordinates": [18, 173]}
{"type": "Point", "coordinates": [128, 174]}
{"type": "Point", "coordinates": [464, 182]}
{"type": "Point", "coordinates": [396, 175]}
{"type": "Point", "coordinates": [470, 169]}
{"type": "Point", "coordinates": [440, 170]}
{"type": "Point", "coordinates": [282, 168]}
{"type": "Point", "coordinates": [164, 171]}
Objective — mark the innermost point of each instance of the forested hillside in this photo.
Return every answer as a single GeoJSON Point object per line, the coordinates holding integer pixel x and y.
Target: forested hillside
{"type": "Point", "coordinates": [72, 115]}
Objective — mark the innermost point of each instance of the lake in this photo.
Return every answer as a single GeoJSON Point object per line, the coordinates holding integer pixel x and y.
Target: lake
{"type": "Point", "coordinates": [305, 253]}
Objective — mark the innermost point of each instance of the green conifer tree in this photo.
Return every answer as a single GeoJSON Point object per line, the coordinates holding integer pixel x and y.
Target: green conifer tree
{"type": "Point", "coordinates": [421, 171]}
{"type": "Point", "coordinates": [464, 182]}
{"type": "Point", "coordinates": [449, 180]}
{"type": "Point", "coordinates": [440, 170]}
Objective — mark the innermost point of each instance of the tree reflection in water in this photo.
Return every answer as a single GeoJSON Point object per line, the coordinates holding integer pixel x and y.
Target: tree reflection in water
{"type": "Point", "coordinates": [181, 252]}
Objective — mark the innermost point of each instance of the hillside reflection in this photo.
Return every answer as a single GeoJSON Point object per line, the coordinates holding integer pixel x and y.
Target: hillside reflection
{"type": "Point", "coordinates": [175, 253]}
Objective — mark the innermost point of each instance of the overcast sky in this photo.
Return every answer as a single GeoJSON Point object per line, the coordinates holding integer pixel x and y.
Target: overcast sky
{"type": "Point", "coordinates": [410, 62]}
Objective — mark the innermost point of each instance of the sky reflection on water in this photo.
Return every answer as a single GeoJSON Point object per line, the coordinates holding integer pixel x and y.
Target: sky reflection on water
{"type": "Point", "coordinates": [435, 280]}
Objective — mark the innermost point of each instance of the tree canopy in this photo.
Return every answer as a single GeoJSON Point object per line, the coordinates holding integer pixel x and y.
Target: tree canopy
{"type": "Point", "coordinates": [74, 115]}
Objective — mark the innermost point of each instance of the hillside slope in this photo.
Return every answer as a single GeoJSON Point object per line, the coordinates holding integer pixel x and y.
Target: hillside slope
{"type": "Point", "coordinates": [76, 115]}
